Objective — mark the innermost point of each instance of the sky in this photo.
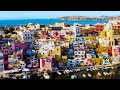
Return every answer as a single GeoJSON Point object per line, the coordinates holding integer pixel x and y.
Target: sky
{"type": "Point", "coordinates": [51, 14]}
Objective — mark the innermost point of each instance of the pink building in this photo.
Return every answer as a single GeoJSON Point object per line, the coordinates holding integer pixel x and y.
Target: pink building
{"type": "Point", "coordinates": [115, 51]}
{"type": "Point", "coordinates": [20, 53]}
{"type": "Point", "coordinates": [46, 64]}
{"type": "Point", "coordinates": [21, 45]}
{"type": "Point", "coordinates": [34, 61]}
{"type": "Point", "coordinates": [11, 47]}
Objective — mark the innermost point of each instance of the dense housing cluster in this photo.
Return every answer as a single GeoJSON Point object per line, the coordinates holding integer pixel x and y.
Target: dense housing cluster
{"type": "Point", "coordinates": [37, 47]}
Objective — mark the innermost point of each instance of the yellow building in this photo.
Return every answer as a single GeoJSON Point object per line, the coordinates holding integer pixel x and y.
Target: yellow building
{"type": "Point", "coordinates": [52, 53]}
{"type": "Point", "coordinates": [58, 53]}
{"type": "Point", "coordinates": [91, 38]}
{"type": "Point", "coordinates": [97, 61]}
{"type": "Point", "coordinates": [64, 58]}
{"type": "Point", "coordinates": [43, 55]}
{"type": "Point", "coordinates": [48, 29]}
{"type": "Point", "coordinates": [69, 38]}
{"type": "Point", "coordinates": [102, 34]}
{"type": "Point", "coordinates": [36, 33]}
{"type": "Point", "coordinates": [106, 37]}
{"type": "Point", "coordinates": [60, 24]}
{"type": "Point", "coordinates": [110, 34]}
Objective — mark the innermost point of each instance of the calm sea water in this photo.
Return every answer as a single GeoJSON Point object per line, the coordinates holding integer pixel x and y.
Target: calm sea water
{"type": "Point", "coordinates": [10, 23]}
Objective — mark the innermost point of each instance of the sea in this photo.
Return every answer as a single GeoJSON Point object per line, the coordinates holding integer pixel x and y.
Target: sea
{"type": "Point", "coordinates": [18, 22]}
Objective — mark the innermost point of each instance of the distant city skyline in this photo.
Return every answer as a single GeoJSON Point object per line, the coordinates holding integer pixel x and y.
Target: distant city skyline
{"type": "Point", "coordinates": [4, 15]}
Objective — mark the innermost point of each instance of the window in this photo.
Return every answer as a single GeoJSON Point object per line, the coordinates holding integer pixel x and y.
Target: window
{"type": "Point", "coordinates": [71, 62]}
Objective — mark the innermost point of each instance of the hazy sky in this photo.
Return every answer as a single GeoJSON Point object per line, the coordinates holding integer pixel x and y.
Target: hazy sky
{"type": "Point", "coordinates": [52, 14]}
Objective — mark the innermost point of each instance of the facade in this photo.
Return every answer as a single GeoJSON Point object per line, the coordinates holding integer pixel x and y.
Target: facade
{"type": "Point", "coordinates": [1, 62]}
{"type": "Point", "coordinates": [46, 64]}
{"type": "Point", "coordinates": [99, 27]}
{"type": "Point", "coordinates": [79, 51]}
{"type": "Point", "coordinates": [13, 61]}
{"type": "Point", "coordinates": [27, 36]}
{"type": "Point", "coordinates": [116, 27]}
{"type": "Point", "coordinates": [2, 32]}
{"type": "Point", "coordinates": [115, 51]}
{"type": "Point", "coordinates": [73, 63]}
{"type": "Point", "coordinates": [76, 30]}
{"type": "Point", "coordinates": [60, 24]}
{"type": "Point", "coordinates": [58, 53]}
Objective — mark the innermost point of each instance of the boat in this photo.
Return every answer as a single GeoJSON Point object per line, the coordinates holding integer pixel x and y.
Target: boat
{"type": "Point", "coordinates": [89, 75]}
{"type": "Point", "coordinates": [46, 76]}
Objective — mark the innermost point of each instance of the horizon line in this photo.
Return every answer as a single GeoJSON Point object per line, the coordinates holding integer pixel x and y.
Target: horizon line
{"type": "Point", "coordinates": [56, 17]}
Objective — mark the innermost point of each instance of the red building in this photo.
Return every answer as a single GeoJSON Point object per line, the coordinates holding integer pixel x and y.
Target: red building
{"type": "Point", "coordinates": [99, 27]}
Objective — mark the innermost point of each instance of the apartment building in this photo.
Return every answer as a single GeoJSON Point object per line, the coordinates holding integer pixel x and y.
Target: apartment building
{"type": "Point", "coordinates": [27, 36]}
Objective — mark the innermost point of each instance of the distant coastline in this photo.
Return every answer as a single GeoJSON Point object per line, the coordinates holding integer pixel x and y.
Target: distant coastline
{"type": "Point", "coordinates": [88, 18]}
{"type": "Point", "coordinates": [18, 22]}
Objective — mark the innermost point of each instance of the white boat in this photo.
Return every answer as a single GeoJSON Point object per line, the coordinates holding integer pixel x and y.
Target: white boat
{"type": "Point", "coordinates": [59, 72]}
{"type": "Point", "coordinates": [112, 67]}
{"type": "Point", "coordinates": [87, 69]}
{"type": "Point", "coordinates": [25, 77]}
{"type": "Point", "coordinates": [66, 71]}
{"type": "Point", "coordinates": [104, 73]}
{"type": "Point", "coordinates": [73, 76]}
{"type": "Point", "coordinates": [89, 75]}
{"type": "Point", "coordinates": [46, 76]}
{"type": "Point", "coordinates": [83, 75]}
{"type": "Point", "coordinates": [99, 74]}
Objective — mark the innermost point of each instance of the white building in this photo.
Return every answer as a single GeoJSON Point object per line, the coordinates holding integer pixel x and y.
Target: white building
{"type": "Point", "coordinates": [76, 30]}
{"type": "Point", "coordinates": [46, 45]}
{"type": "Point", "coordinates": [79, 51]}
{"type": "Point", "coordinates": [2, 32]}
{"type": "Point", "coordinates": [27, 36]}
{"type": "Point", "coordinates": [80, 39]}
{"type": "Point", "coordinates": [11, 47]}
